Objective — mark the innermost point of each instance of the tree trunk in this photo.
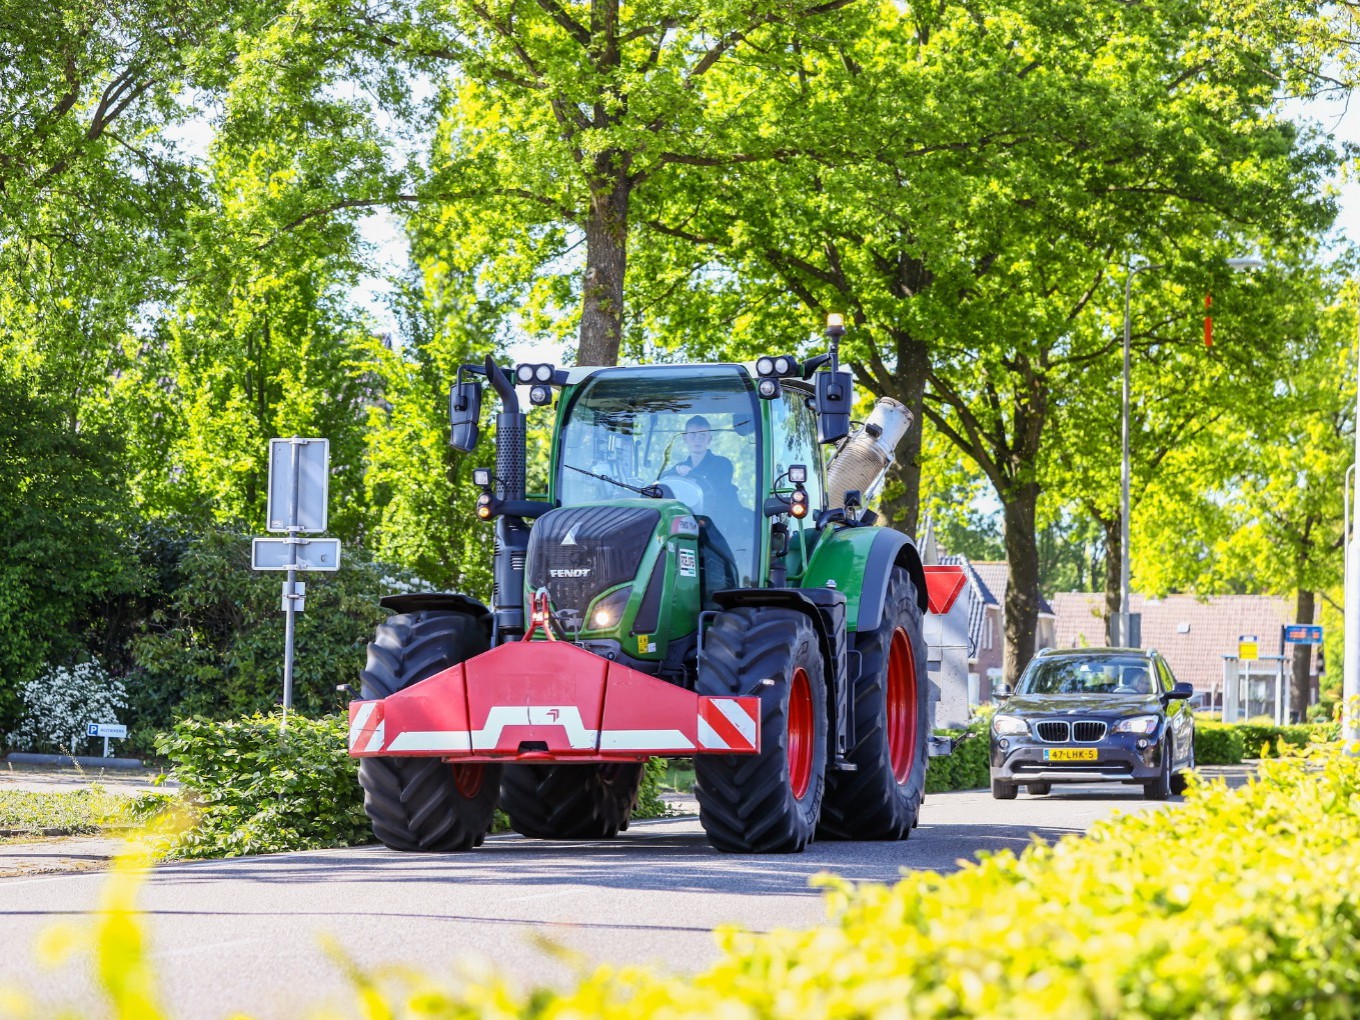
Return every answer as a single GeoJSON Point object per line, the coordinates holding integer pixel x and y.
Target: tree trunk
{"type": "Point", "coordinates": [1114, 544]}
{"type": "Point", "coordinates": [1304, 607]}
{"type": "Point", "coordinates": [606, 229]}
{"type": "Point", "coordinates": [1022, 589]}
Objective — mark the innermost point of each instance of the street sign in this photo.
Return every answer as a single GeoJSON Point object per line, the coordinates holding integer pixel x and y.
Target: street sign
{"type": "Point", "coordinates": [1247, 648]}
{"type": "Point", "coordinates": [1303, 633]}
{"type": "Point", "coordinates": [103, 729]}
{"type": "Point", "coordinates": [295, 553]}
{"type": "Point", "coordinates": [295, 599]}
{"type": "Point", "coordinates": [300, 466]}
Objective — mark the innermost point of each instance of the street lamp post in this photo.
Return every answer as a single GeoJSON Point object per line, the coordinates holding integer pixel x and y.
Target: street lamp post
{"type": "Point", "coordinates": [1125, 637]}
{"type": "Point", "coordinates": [1350, 676]}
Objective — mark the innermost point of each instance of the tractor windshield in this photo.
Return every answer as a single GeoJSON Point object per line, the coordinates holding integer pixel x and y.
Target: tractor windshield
{"type": "Point", "coordinates": [691, 430]}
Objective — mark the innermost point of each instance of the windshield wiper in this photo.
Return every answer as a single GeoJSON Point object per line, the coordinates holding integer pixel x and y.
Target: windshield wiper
{"type": "Point", "coordinates": [650, 491]}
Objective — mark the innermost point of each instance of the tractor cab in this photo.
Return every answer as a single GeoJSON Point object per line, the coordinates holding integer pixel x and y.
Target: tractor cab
{"type": "Point", "coordinates": [693, 434]}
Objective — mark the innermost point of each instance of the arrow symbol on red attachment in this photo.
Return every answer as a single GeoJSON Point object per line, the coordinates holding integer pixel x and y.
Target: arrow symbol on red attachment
{"type": "Point", "coordinates": [553, 714]}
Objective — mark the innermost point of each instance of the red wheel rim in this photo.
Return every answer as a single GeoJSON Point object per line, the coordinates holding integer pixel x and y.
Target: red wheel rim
{"type": "Point", "coordinates": [902, 718]}
{"type": "Point", "coordinates": [800, 734]}
{"type": "Point", "coordinates": [467, 779]}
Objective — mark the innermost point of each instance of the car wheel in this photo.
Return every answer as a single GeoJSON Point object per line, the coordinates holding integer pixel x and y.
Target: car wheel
{"type": "Point", "coordinates": [1160, 788]}
{"type": "Point", "coordinates": [1180, 780]}
{"type": "Point", "coordinates": [1039, 789]}
{"type": "Point", "coordinates": [1003, 791]}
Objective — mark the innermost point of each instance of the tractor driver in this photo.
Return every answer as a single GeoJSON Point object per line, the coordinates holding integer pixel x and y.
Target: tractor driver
{"type": "Point", "coordinates": [711, 470]}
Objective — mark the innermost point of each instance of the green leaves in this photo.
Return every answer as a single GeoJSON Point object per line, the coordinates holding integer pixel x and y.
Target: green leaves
{"type": "Point", "coordinates": [257, 788]}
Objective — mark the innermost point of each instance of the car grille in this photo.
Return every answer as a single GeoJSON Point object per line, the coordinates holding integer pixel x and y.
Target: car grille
{"type": "Point", "coordinates": [1087, 732]}
{"type": "Point", "coordinates": [1060, 731]}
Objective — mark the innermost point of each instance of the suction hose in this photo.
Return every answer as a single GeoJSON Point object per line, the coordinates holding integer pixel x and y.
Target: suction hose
{"type": "Point", "coordinates": [863, 459]}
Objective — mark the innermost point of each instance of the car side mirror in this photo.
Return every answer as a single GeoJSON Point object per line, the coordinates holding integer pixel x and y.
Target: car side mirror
{"type": "Point", "coordinates": [465, 411]}
{"type": "Point", "coordinates": [1181, 692]}
{"type": "Point", "coordinates": [1002, 691]}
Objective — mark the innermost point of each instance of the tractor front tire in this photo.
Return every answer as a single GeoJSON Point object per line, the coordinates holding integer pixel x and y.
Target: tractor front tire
{"type": "Point", "coordinates": [570, 801]}
{"type": "Point", "coordinates": [766, 803]}
{"type": "Point", "coordinates": [890, 702]}
{"type": "Point", "coordinates": [424, 803]}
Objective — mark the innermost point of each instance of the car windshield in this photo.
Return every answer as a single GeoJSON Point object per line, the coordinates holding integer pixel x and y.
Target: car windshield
{"type": "Point", "coordinates": [1105, 674]}
{"type": "Point", "coordinates": [691, 430]}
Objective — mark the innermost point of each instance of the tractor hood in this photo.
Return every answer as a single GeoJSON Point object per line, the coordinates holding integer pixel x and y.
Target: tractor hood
{"type": "Point", "coordinates": [615, 570]}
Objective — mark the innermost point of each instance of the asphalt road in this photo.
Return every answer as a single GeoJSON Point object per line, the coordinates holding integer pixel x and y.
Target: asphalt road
{"type": "Point", "coordinates": [245, 934]}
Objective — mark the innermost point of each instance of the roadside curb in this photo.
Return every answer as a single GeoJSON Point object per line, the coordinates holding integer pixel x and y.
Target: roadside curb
{"type": "Point", "coordinates": [67, 761]}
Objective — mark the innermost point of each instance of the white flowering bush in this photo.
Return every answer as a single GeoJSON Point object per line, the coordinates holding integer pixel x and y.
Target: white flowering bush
{"type": "Point", "coordinates": [62, 701]}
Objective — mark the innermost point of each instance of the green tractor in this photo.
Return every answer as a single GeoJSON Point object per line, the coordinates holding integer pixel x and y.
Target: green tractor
{"type": "Point", "coordinates": [694, 583]}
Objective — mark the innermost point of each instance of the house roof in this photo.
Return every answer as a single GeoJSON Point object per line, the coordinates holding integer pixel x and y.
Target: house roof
{"type": "Point", "coordinates": [979, 597]}
{"type": "Point", "coordinates": [994, 575]}
{"type": "Point", "coordinates": [1192, 635]}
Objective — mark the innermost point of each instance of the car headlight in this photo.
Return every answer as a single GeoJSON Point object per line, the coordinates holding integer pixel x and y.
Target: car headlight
{"type": "Point", "coordinates": [1137, 724]}
{"type": "Point", "coordinates": [1008, 726]}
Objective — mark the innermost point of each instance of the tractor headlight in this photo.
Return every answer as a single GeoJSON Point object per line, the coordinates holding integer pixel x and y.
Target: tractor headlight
{"type": "Point", "coordinates": [765, 366]}
{"type": "Point", "coordinates": [1009, 726]}
{"type": "Point", "coordinates": [1137, 724]}
{"type": "Point", "coordinates": [609, 610]}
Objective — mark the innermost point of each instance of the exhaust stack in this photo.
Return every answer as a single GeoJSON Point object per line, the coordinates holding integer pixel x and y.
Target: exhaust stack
{"type": "Point", "coordinates": [862, 460]}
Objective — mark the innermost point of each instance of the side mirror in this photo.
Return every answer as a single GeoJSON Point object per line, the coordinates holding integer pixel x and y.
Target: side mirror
{"type": "Point", "coordinates": [465, 411]}
{"type": "Point", "coordinates": [835, 393]}
{"type": "Point", "coordinates": [1002, 691]}
{"type": "Point", "coordinates": [1181, 692]}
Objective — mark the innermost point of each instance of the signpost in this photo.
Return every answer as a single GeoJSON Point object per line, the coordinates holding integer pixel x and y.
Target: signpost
{"type": "Point", "coordinates": [299, 487]}
{"type": "Point", "coordinates": [109, 731]}
{"type": "Point", "coordinates": [1248, 648]}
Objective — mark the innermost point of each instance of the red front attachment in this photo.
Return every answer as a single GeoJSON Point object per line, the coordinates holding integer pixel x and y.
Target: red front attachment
{"type": "Point", "coordinates": [550, 700]}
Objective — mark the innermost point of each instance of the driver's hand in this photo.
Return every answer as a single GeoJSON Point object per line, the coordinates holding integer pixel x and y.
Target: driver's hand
{"type": "Point", "coordinates": [682, 470]}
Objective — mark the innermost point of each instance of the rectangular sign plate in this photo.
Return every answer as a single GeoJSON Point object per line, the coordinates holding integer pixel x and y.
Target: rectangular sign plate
{"type": "Point", "coordinates": [1303, 633]}
{"type": "Point", "coordinates": [103, 729]}
{"type": "Point", "coordinates": [301, 554]}
{"type": "Point", "coordinates": [313, 484]}
{"type": "Point", "coordinates": [1069, 754]}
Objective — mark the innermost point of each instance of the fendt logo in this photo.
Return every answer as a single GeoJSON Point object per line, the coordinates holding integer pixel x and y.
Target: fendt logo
{"type": "Point", "coordinates": [571, 535]}
{"type": "Point", "coordinates": [574, 572]}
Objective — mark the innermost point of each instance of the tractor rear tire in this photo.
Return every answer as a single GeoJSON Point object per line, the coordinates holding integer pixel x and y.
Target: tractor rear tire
{"type": "Point", "coordinates": [766, 803]}
{"type": "Point", "coordinates": [890, 702]}
{"type": "Point", "coordinates": [570, 801]}
{"type": "Point", "coordinates": [424, 803]}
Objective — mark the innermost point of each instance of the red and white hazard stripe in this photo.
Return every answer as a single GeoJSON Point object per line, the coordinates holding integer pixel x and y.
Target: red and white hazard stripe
{"type": "Point", "coordinates": [366, 726]}
{"type": "Point", "coordinates": [728, 723]}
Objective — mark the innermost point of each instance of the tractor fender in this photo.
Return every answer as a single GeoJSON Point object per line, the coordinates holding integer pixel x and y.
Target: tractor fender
{"type": "Point", "coordinates": [828, 611]}
{"type": "Point", "coordinates": [447, 601]}
{"type": "Point", "coordinates": [860, 561]}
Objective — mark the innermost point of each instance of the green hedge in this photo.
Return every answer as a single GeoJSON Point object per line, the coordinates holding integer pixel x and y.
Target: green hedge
{"type": "Point", "coordinates": [967, 768]}
{"type": "Point", "coordinates": [251, 788]}
{"type": "Point", "coordinates": [254, 788]}
{"type": "Point", "coordinates": [1217, 744]}
{"type": "Point", "coordinates": [1264, 740]}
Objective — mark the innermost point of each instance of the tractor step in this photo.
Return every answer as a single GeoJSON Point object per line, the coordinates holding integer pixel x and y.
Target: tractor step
{"type": "Point", "coordinates": [941, 747]}
{"type": "Point", "coordinates": [536, 701]}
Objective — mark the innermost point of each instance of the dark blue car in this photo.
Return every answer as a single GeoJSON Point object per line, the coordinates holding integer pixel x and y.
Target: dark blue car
{"type": "Point", "coordinates": [1093, 715]}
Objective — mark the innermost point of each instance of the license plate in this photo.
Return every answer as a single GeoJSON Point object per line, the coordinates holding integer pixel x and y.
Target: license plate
{"type": "Point", "coordinates": [1069, 754]}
